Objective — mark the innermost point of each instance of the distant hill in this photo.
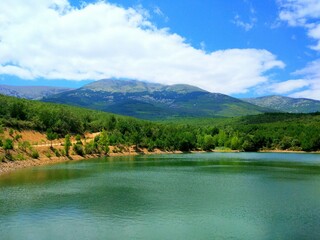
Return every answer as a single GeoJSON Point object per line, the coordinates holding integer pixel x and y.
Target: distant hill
{"type": "Point", "coordinates": [286, 104]}
{"type": "Point", "coordinates": [30, 92]}
{"type": "Point", "coordinates": [154, 101]}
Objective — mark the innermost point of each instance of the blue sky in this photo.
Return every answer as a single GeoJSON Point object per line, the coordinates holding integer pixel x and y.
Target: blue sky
{"type": "Point", "coordinates": [243, 48]}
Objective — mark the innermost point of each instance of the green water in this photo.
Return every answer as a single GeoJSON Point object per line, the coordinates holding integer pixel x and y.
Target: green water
{"type": "Point", "coordinates": [186, 196]}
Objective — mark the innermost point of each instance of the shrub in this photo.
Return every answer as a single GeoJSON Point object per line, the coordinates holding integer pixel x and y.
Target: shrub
{"type": "Point", "coordinates": [8, 144]}
{"type": "Point", "coordinates": [56, 152]}
{"type": "Point", "coordinates": [78, 139]}
{"type": "Point", "coordinates": [91, 147]}
{"type": "Point", "coordinates": [17, 137]}
{"type": "Point", "coordinates": [11, 132]}
{"type": "Point", "coordinates": [48, 155]}
{"type": "Point", "coordinates": [9, 156]}
{"type": "Point", "coordinates": [78, 149]}
{"type": "Point", "coordinates": [67, 144]}
{"type": "Point", "coordinates": [20, 157]}
{"type": "Point", "coordinates": [34, 154]}
{"type": "Point", "coordinates": [24, 146]}
{"type": "Point", "coordinates": [62, 152]}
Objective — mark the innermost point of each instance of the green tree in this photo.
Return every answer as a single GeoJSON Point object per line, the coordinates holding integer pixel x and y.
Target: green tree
{"type": "Point", "coordinates": [11, 132]}
{"type": "Point", "coordinates": [136, 138]}
{"type": "Point", "coordinates": [78, 139]}
{"type": "Point", "coordinates": [91, 147]}
{"type": "Point", "coordinates": [8, 144]}
{"type": "Point", "coordinates": [103, 141]}
{"type": "Point", "coordinates": [235, 143]}
{"type": "Point", "coordinates": [248, 145]}
{"type": "Point", "coordinates": [208, 143]}
{"type": "Point", "coordinates": [285, 143]}
{"type": "Point", "coordinates": [67, 144]}
{"type": "Point", "coordinates": [51, 136]}
{"type": "Point", "coordinates": [78, 149]}
{"type": "Point", "coordinates": [186, 141]}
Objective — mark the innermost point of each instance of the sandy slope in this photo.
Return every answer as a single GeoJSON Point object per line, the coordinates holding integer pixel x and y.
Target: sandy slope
{"type": "Point", "coordinates": [47, 156]}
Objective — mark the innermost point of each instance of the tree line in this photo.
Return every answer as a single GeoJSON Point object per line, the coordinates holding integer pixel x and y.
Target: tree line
{"type": "Point", "coordinates": [268, 131]}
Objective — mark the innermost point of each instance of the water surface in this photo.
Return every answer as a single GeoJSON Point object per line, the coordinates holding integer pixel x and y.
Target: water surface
{"type": "Point", "coordinates": [184, 196]}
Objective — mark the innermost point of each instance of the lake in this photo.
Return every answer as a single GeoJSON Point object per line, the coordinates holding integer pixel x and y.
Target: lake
{"type": "Point", "coordinates": [182, 196]}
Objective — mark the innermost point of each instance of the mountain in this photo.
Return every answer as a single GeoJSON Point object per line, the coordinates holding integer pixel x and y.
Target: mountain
{"type": "Point", "coordinates": [286, 104]}
{"type": "Point", "coordinates": [30, 92]}
{"type": "Point", "coordinates": [154, 101]}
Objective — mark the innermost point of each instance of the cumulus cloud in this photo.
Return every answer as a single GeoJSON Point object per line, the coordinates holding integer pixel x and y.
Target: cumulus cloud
{"type": "Point", "coordinates": [53, 40]}
{"type": "Point", "coordinates": [311, 76]}
{"type": "Point", "coordinates": [288, 86]}
{"type": "Point", "coordinates": [303, 13]}
{"type": "Point", "coordinates": [306, 14]}
{"type": "Point", "coordinates": [313, 92]}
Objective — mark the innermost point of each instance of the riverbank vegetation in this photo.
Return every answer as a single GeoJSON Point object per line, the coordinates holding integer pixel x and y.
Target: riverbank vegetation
{"type": "Point", "coordinates": [270, 131]}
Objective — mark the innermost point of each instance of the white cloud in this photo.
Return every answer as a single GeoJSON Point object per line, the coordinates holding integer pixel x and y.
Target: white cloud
{"type": "Point", "coordinates": [313, 92]}
{"type": "Point", "coordinates": [53, 40]}
{"type": "Point", "coordinates": [306, 14]}
{"type": "Point", "coordinates": [247, 26]}
{"type": "Point", "coordinates": [311, 71]}
{"type": "Point", "coordinates": [288, 86]}
{"type": "Point", "coordinates": [311, 77]}
{"type": "Point", "coordinates": [303, 13]}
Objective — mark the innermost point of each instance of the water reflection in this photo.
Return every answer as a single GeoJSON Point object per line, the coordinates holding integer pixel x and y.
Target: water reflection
{"type": "Point", "coordinates": [194, 196]}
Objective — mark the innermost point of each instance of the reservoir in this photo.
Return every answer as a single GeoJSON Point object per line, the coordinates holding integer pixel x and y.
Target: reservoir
{"type": "Point", "coordinates": [174, 196]}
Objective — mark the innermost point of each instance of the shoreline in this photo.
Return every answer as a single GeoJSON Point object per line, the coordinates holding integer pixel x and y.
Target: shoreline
{"type": "Point", "coordinates": [11, 166]}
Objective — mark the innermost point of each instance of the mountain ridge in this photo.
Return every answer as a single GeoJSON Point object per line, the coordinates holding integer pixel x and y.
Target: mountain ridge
{"type": "Point", "coordinates": [286, 104]}
{"type": "Point", "coordinates": [31, 92]}
{"type": "Point", "coordinates": [154, 101]}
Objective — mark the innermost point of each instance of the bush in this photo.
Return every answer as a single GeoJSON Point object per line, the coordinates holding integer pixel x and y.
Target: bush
{"type": "Point", "coordinates": [34, 154]}
{"type": "Point", "coordinates": [11, 132]}
{"type": "Point", "coordinates": [91, 147]}
{"type": "Point", "coordinates": [24, 146]}
{"type": "Point", "coordinates": [62, 152]}
{"type": "Point", "coordinates": [17, 137]}
{"type": "Point", "coordinates": [78, 149]}
{"type": "Point", "coordinates": [48, 155]}
{"type": "Point", "coordinates": [67, 144]}
{"type": "Point", "coordinates": [78, 139]}
{"type": "Point", "coordinates": [8, 144]}
{"type": "Point", "coordinates": [56, 152]}
{"type": "Point", "coordinates": [9, 157]}
{"type": "Point", "coordinates": [20, 157]}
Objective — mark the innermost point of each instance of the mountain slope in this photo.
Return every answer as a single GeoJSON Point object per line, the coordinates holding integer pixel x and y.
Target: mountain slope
{"type": "Point", "coordinates": [30, 92]}
{"type": "Point", "coordinates": [286, 104]}
{"type": "Point", "coordinates": [154, 101]}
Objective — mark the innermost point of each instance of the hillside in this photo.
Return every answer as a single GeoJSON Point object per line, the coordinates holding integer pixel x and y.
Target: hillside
{"type": "Point", "coordinates": [154, 101]}
{"type": "Point", "coordinates": [269, 131]}
{"type": "Point", "coordinates": [286, 104]}
{"type": "Point", "coordinates": [31, 92]}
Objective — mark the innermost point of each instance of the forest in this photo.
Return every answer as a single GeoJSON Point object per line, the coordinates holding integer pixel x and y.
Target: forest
{"type": "Point", "coordinates": [269, 131]}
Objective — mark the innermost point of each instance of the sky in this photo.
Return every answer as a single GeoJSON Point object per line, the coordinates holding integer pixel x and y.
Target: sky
{"type": "Point", "coordinates": [243, 48]}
